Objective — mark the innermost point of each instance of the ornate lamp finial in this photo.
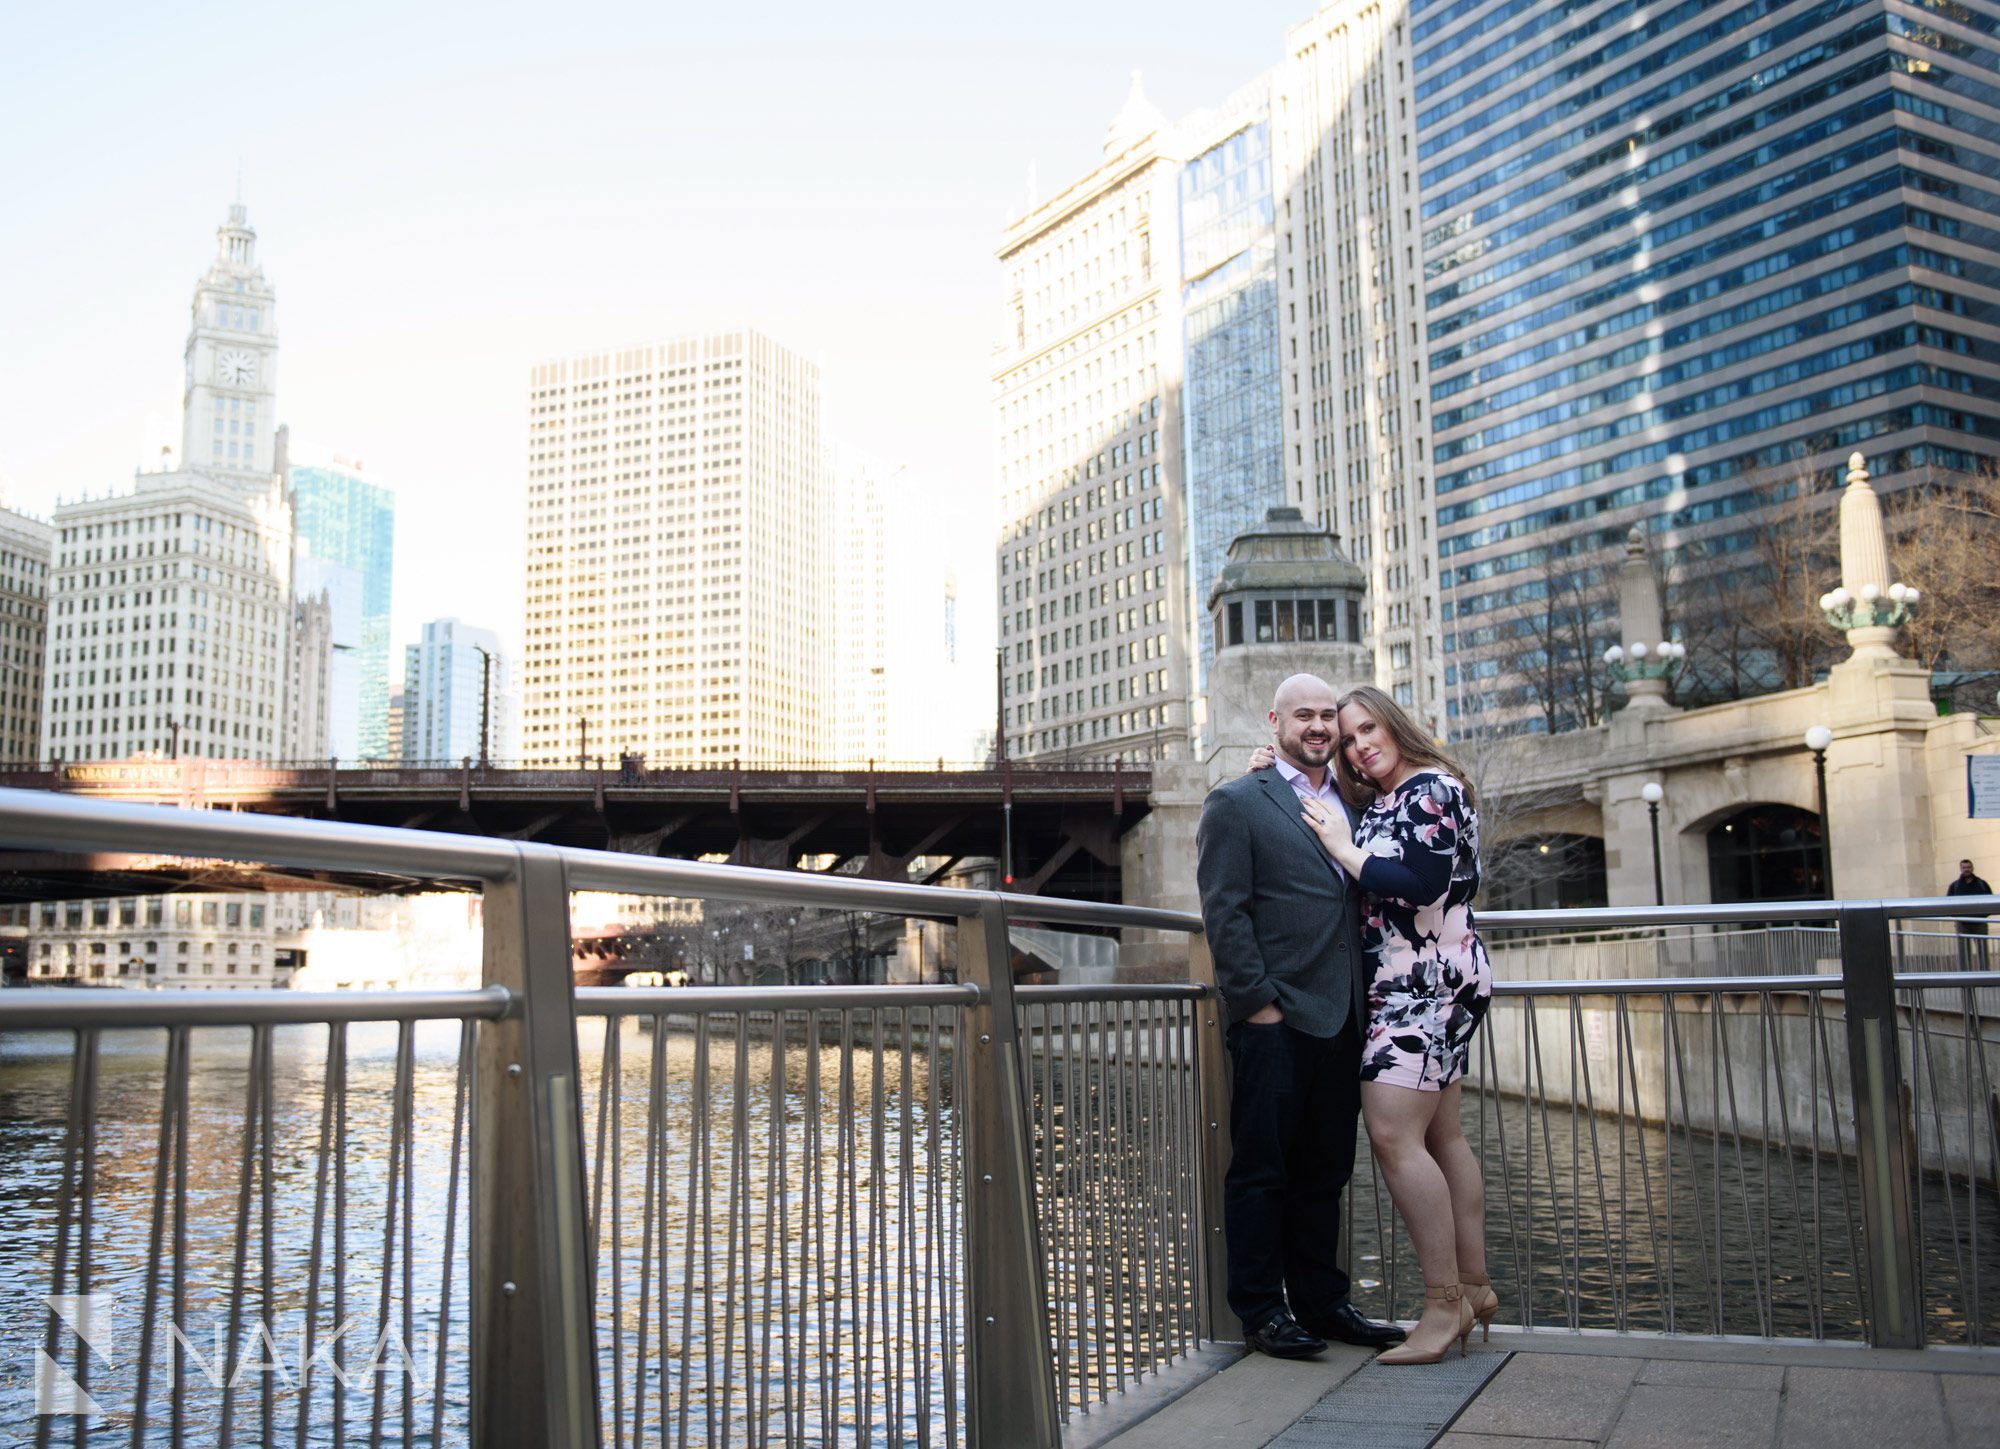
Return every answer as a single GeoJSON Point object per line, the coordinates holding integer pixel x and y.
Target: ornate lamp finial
{"type": "Point", "coordinates": [1644, 661]}
{"type": "Point", "coordinates": [1865, 608]}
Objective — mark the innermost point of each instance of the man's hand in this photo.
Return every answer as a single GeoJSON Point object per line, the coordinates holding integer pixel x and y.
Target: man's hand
{"type": "Point", "coordinates": [1266, 1015]}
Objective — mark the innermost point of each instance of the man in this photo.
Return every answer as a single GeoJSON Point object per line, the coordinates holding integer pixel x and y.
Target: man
{"type": "Point", "coordinates": [1969, 884]}
{"type": "Point", "coordinates": [1282, 923]}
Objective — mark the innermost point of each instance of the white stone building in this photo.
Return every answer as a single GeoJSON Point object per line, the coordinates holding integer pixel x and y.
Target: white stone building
{"type": "Point", "coordinates": [677, 555]}
{"type": "Point", "coordinates": [191, 941]}
{"type": "Point", "coordinates": [170, 606]}
{"type": "Point", "coordinates": [1351, 324]}
{"type": "Point", "coordinates": [26, 545]}
{"type": "Point", "coordinates": [1093, 597]}
{"type": "Point", "coordinates": [229, 402]}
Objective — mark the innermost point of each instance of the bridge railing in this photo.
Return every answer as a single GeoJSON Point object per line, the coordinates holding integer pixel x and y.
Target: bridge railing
{"type": "Point", "coordinates": [612, 766]}
{"type": "Point", "coordinates": [530, 1214]}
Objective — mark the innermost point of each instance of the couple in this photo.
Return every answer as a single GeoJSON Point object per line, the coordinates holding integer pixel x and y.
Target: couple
{"type": "Point", "coordinates": [1336, 882]}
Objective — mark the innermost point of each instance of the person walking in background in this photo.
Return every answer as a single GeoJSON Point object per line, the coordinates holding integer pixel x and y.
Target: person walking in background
{"type": "Point", "coordinates": [1415, 854]}
{"type": "Point", "coordinates": [1282, 921]}
{"type": "Point", "coordinates": [1968, 884]}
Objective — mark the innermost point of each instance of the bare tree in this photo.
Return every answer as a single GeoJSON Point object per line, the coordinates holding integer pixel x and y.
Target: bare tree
{"type": "Point", "coordinates": [1750, 617]}
{"type": "Point", "coordinates": [1559, 631]}
{"type": "Point", "coordinates": [1944, 540]}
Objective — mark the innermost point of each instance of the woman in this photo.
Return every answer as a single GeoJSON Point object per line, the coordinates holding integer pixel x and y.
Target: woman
{"type": "Point", "coordinates": [1415, 856]}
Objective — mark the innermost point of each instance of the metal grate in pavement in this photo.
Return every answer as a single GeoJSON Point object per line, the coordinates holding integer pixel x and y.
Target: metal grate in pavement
{"type": "Point", "coordinates": [1392, 1408]}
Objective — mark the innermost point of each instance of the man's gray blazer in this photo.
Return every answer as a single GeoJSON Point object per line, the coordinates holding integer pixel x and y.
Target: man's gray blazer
{"type": "Point", "coordinates": [1282, 920]}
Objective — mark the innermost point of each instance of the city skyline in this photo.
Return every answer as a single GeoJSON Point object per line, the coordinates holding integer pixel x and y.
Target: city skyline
{"type": "Point", "coordinates": [425, 243]}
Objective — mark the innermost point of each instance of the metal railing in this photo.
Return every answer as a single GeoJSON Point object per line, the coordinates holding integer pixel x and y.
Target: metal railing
{"type": "Point", "coordinates": [879, 1215]}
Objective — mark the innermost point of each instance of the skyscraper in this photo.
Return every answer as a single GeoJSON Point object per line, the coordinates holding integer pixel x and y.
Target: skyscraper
{"type": "Point", "coordinates": [344, 518]}
{"type": "Point", "coordinates": [1232, 407]}
{"type": "Point", "coordinates": [677, 524]}
{"type": "Point", "coordinates": [456, 683]}
{"type": "Point", "coordinates": [26, 545]}
{"type": "Point", "coordinates": [1675, 258]}
{"type": "Point", "coordinates": [1093, 569]}
{"type": "Point", "coordinates": [170, 606]}
{"type": "Point", "coordinates": [1351, 323]}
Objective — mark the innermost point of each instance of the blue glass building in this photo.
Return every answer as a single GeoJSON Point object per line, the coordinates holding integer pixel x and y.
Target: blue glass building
{"type": "Point", "coordinates": [1675, 251]}
{"type": "Point", "coordinates": [447, 680]}
{"type": "Point", "coordinates": [1232, 428]}
{"type": "Point", "coordinates": [343, 520]}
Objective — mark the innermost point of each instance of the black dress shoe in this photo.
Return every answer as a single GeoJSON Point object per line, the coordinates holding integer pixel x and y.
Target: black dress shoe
{"type": "Point", "coordinates": [1283, 1338]}
{"type": "Point", "coordinates": [1346, 1325]}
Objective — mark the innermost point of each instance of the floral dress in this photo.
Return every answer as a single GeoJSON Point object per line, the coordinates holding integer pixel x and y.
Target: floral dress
{"type": "Point", "coordinates": [1430, 980]}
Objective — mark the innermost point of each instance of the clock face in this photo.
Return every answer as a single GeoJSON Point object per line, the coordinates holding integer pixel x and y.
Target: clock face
{"type": "Point", "coordinates": [236, 367]}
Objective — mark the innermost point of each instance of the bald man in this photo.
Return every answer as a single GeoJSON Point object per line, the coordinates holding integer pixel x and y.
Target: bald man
{"type": "Point", "coordinates": [1282, 922]}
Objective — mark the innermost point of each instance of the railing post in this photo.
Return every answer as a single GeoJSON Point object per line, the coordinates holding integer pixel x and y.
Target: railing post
{"type": "Point", "coordinates": [1010, 1388]}
{"type": "Point", "coordinates": [534, 1351]}
{"type": "Point", "coordinates": [1212, 1154]}
{"type": "Point", "coordinates": [1881, 1131]}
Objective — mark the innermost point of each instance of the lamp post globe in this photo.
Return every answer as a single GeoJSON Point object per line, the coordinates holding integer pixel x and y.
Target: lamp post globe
{"type": "Point", "coordinates": [1818, 738]}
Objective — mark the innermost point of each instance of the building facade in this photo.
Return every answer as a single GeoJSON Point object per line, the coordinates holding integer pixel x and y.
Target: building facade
{"type": "Point", "coordinates": [344, 519]}
{"type": "Point", "coordinates": [1232, 404]}
{"type": "Point", "coordinates": [169, 622]}
{"type": "Point", "coordinates": [1094, 601]}
{"type": "Point", "coordinates": [312, 696]}
{"type": "Point", "coordinates": [26, 547]}
{"type": "Point", "coordinates": [677, 555]}
{"type": "Point", "coordinates": [230, 364]}
{"type": "Point", "coordinates": [191, 941]}
{"type": "Point", "coordinates": [1351, 325]}
{"type": "Point", "coordinates": [455, 684]}
{"type": "Point", "coordinates": [1678, 266]}
{"type": "Point", "coordinates": [170, 607]}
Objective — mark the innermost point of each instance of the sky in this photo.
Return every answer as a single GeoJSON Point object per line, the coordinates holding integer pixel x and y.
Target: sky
{"type": "Point", "coordinates": [444, 195]}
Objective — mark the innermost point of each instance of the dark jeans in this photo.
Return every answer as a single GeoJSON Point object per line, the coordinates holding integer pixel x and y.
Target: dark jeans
{"type": "Point", "coordinates": [1292, 1116]}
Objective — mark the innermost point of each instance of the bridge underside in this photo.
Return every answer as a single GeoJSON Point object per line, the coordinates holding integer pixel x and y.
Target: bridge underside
{"type": "Point", "coordinates": [1064, 829]}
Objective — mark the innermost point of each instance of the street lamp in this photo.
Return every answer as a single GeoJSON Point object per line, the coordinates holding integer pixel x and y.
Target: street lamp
{"type": "Point", "coordinates": [1817, 739]}
{"type": "Point", "coordinates": [1652, 794]}
{"type": "Point", "coordinates": [485, 702]}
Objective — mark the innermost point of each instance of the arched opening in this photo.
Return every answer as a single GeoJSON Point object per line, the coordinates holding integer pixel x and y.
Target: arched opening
{"type": "Point", "coordinates": [1554, 871]}
{"type": "Point", "coordinates": [1767, 853]}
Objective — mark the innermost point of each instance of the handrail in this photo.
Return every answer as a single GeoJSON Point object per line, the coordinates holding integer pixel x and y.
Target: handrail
{"type": "Point", "coordinates": [62, 1007]}
{"type": "Point", "coordinates": [1700, 985]}
{"type": "Point", "coordinates": [722, 1000]}
{"type": "Point", "coordinates": [62, 822]}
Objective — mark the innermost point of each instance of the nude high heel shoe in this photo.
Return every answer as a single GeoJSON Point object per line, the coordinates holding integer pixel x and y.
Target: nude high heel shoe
{"type": "Point", "coordinates": [1418, 1347]}
{"type": "Point", "coordinates": [1485, 1302]}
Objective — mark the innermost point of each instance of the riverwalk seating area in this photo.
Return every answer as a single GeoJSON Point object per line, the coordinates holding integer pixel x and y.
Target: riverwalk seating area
{"type": "Point", "coordinates": [972, 1211]}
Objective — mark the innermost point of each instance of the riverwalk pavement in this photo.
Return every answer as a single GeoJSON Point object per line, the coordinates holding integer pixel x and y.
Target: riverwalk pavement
{"type": "Point", "coordinates": [1548, 1391]}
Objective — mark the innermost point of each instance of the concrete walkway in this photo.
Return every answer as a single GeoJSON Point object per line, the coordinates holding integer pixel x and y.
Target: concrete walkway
{"type": "Point", "coordinates": [1568, 1392]}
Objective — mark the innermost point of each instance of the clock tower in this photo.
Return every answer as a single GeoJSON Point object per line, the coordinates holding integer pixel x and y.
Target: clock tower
{"type": "Point", "coordinates": [229, 397]}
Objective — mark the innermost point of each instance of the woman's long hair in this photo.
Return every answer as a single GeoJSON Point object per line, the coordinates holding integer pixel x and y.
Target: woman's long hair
{"type": "Point", "coordinates": [1412, 744]}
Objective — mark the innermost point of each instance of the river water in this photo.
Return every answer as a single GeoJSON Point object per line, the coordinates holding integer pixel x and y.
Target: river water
{"type": "Point", "coordinates": [785, 1232]}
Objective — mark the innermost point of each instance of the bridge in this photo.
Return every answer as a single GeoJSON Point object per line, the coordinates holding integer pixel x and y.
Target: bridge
{"type": "Point", "coordinates": [1057, 824]}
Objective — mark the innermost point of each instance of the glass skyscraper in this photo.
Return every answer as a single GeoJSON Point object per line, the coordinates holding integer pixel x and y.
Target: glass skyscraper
{"type": "Point", "coordinates": [1674, 252]}
{"type": "Point", "coordinates": [454, 673]}
{"type": "Point", "coordinates": [342, 519]}
{"type": "Point", "coordinates": [1232, 428]}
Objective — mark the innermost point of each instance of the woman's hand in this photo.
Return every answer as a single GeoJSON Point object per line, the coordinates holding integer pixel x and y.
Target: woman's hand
{"type": "Point", "coordinates": [1261, 758]}
{"type": "Point", "coordinates": [1330, 824]}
